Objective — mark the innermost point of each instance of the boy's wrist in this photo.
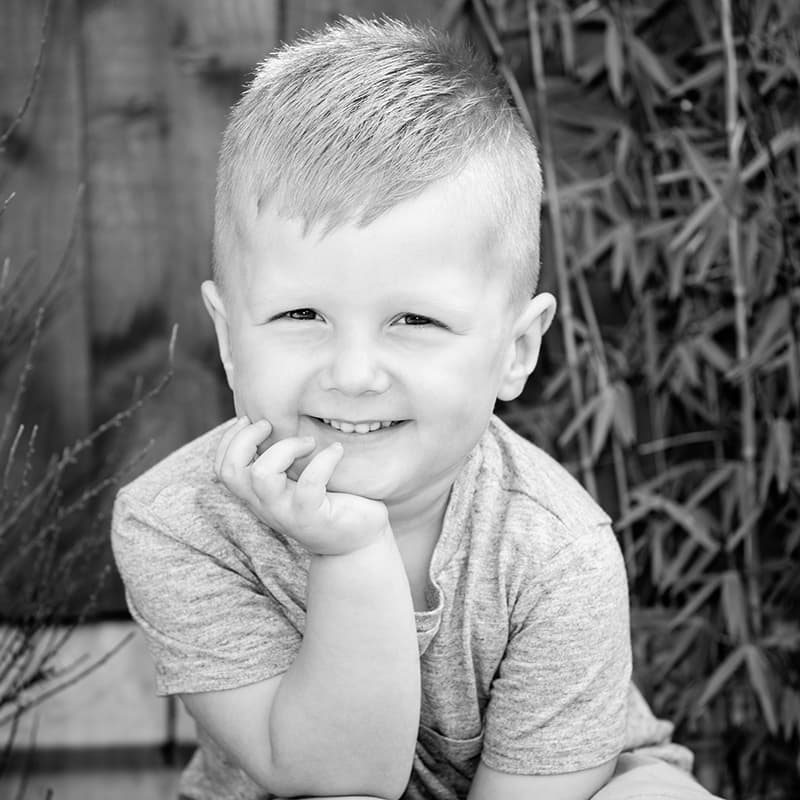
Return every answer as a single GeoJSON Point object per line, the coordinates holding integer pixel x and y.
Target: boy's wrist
{"type": "Point", "coordinates": [359, 544]}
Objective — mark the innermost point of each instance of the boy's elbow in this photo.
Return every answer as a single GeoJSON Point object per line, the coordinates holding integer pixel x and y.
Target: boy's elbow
{"type": "Point", "coordinates": [316, 779]}
{"type": "Point", "coordinates": [379, 767]}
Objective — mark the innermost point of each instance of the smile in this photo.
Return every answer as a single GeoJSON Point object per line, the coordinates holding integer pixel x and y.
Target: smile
{"type": "Point", "coordinates": [357, 427]}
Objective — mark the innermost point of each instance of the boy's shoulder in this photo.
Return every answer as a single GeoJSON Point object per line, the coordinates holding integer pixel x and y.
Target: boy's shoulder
{"type": "Point", "coordinates": [535, 484]}
{"type": "Point", "coordinates": [189, 468]}
{"type": "Point", "coordinates": [527, 519]}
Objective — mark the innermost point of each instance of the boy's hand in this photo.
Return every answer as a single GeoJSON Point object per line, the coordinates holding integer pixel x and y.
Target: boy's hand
{"type": "Point", "coordinates": [326, 523]}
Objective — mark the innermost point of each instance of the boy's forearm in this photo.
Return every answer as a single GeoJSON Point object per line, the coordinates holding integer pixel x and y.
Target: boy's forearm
{"type": "Point", "coordinates": [346, 714]}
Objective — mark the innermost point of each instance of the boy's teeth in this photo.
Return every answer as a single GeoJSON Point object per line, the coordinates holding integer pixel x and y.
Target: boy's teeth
{"type": "Point", "coordinates": [356, 427]}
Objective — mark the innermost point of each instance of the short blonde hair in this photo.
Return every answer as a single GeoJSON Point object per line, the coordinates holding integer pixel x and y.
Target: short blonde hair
{"type": "Point", "coordinates": [345, 123]}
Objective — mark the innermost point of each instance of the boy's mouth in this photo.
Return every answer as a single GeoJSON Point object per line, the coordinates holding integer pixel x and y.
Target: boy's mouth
{"type": "Point", "coordinates": [366, 426]}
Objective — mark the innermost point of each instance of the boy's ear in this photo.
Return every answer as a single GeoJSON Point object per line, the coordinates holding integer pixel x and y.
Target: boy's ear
{"type": "Point", "coordinates": [216, 310]}
{"type": "Point", "coordinates": [523, 352]}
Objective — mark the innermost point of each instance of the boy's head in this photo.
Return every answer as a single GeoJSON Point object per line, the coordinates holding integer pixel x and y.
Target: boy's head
{"type": "Point", "coordinates": [345, 124]}
{"type": "Point", "coordinates": [376, 252]}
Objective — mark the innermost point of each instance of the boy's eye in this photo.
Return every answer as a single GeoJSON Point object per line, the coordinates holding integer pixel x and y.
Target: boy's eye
{"type": "Point", "coordinates": [416, 319]}
{"type": "Point", "coordinates": [301, 314]}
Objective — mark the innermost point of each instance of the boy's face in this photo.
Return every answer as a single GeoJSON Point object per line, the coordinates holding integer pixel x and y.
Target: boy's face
{"type": "Point", "coordinates": [394, 339]}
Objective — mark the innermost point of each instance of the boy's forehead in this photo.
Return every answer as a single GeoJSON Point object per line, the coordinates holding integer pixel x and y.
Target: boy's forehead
{"type": "Point", "coordinates": [431, 220]}
{"type": "Point", "coordinates": [269, 241]}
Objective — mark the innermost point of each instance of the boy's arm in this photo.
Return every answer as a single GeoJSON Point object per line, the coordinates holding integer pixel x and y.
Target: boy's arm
{"type": "Point", "coordinates": [343, 718]}
{"type": "Point", "coordinates": [489, 784]}
{"type": "Point", "coordinates": [555, 722]}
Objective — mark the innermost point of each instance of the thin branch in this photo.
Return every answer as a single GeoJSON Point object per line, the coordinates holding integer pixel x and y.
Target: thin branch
{"type": "Point", "coordinates": [22, 381]}
{"type": "Point", "coordinates": [69, 454]}
{"type": "Point", "coordinates": [35, 75]}
{"type": "Point", "coordinates": [3, 208]}
{"type": "Point", "coordinates": [22, 707]}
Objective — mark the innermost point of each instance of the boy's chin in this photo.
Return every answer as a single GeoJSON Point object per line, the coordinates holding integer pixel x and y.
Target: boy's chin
{"type": "Point", "coordinates": [346, 479]}
{"type": "Point", "coordinates": [354, 484]}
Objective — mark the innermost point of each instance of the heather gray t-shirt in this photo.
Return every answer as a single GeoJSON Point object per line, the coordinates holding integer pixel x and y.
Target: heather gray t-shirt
{"type": "Point", "coordinates": [525, 651]}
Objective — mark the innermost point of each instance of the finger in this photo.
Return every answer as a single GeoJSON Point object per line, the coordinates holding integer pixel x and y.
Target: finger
{"type": "Point", "coordinates": [274, 462]}
{"type": "Point", "coordinates": [313, 481]}
{"type": "Point", "coordinates": [242, 450]}
{"type": "Point", "coordinates": [222, 448]}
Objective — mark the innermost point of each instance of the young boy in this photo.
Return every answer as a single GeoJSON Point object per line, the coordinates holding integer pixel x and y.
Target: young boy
{"type": "Point", "coordinates": [366, 584]}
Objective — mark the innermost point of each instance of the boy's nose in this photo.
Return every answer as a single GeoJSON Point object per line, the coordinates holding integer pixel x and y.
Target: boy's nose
{"type": "Point", "coordinates": [354, 368]}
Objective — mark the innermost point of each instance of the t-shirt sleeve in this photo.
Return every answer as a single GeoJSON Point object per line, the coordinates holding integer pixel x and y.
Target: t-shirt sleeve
{"type": "Point", "coordinates": [558, 701]}
{"type": "Point", "coordinates": [209, 622]}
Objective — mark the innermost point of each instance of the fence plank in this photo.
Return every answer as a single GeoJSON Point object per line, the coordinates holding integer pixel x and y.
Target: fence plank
{"type": "Point", "coordinates": [127, 124]}
{"type": "Point", "coordinates": [161, 78]}
{"type": "Point", "coordinates": [213, 44]}
{"type": "Point", "coordinates": [42, 166]}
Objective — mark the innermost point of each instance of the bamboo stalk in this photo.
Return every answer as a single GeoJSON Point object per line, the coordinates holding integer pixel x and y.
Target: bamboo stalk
{"type": "Point", "coordinates": [598, 347]}
{"type": "Point", "coordinates": [567, 314]}
{"type": "Point", "coordinates": [733, 128]}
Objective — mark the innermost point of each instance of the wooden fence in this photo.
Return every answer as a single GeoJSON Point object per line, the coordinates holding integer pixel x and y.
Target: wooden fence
{"type": "Point", "coordinates": [113, 164]}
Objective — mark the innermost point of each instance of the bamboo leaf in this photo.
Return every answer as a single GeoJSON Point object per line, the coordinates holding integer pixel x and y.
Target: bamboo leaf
{"type": "Point", "coordinates": [781, 433]}
{"type": "Point", "coordinates": [721, 675]}
{"type": "Point", "coordinates": [734, 608]}
{"type": "Point", "coordinates": [697, 218]}
{"type": "Point", "coordinates": [677, 567]}
{"type": "Point", "coordinates": [681, 645]}
{"type": "Point", "coordinates": [567, 33]}
{"type": "Point", "coordinates": [597, 249]}
{"type": "Point", "coordinates": [690, 520]}
{"type": "Point", "coordinates": [644, 506]}
{"type": "Point", "coordinates": [793, 370]}
{"type": "Point", "coordinates": [768, 465]}
{"type": "Point", "coordinates": [743, 530]}
{"type": "Point", "coordinates": [698, 600]}
{"type": "Point", "coordinates": [650, 63]}
{"type": "Point", "coordinates": [622, 254]}
{"type": "Point", "coordinates": [623, 149]}
{"type": "Point", "coordinates": [572, 192]}
{"type": "Point", "coordinates": [678, 472]}
{"type": "Point", "coordinates": [613, 59]}
{"type": "Point", "coordinates": [716, 479]}
{"type": "Point", "coordinates": [602, 420]}
{"type": "Point", "coordinates": [686, 358]}
{"type": "Point", "coordinates": [589, 409]}
{"type": "Point", "coordinates": [624, 416]}
{"type": "Point", "coordinates": [698, 571]}
{"type": "Point", "coordinates": [774, 330]}
{"type": "Point", "coordinates": [759, 680]}
{"type": "Point", "coordinates": [677, 271]}
{"type": "Point", "coordinates": [778, 145]}
{"type": "Point", "coordinates": [713, 354]}
{"type": "Point", "coordinates": [790, 712]}
{"type": "Point", "coordinates": [700, 166]}
{"type": "Point", "coordinates": [714, 239]}
{"type": "Point", "coordinates": [700, 79]}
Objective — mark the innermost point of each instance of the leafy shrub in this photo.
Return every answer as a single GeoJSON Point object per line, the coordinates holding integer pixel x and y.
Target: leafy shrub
{"type": "Point", "coordinates": [670, 137]}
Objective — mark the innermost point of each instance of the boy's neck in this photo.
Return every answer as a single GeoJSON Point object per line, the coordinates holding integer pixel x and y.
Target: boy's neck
{"type": "Point", "coordinates": [425, 511]}
{"type": "Point", "coordinates": [416, 527]}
